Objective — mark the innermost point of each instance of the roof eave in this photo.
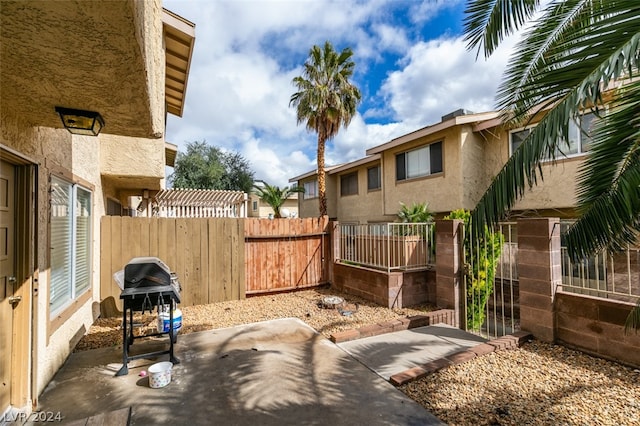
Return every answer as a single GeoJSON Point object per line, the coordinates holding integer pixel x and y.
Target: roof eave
{"type": "Point", "coordinates": [434, 128]}
{"type": "Point", "coordinates": [179, 35]}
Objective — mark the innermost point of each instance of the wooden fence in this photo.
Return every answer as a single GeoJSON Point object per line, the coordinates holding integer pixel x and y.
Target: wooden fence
{"type": "Point", "coordinates": [285, 254]}
{"type": "Point", "coordinates": [218, 259]}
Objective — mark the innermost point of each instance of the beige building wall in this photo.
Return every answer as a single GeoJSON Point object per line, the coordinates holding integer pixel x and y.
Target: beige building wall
{"type": "Point", "coordinates": [56, 151]}
{"type": "Point", "coordinates": [555, 192]}
{"type": "Point", "coordinates": [443, 191]}
{"type": "Point", "coordinates": [475, 178]}
{"type": "Point", "coordinates": [471, 159]}
{"type": "Point", "coordinates": [263, 210]}
{"type": "Point", "coordinates": [106, 164]}
{"type": "Point", "coordinates": [148, 27]}
{"type": "Point", "coordinates": [132, 157]}
{"type": "Point", "coordinates": [363, 207]}
{"type": "Point", "coordinates": [310, 207]}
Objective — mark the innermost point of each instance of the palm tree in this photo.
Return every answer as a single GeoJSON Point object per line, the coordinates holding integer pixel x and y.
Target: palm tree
{"type": "Point", "coordinates": [567, 60]}
{"type": "Point", "coordinates": [274, 196]}
{"type": "Point", "coordinates": [325, 100]}
{"type": "Point", "coordinates": [417, 213]}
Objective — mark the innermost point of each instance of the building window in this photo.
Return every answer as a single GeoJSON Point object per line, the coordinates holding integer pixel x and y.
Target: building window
{"type": "Point", "coordinates": [349, 184]}
{"type": "Point", "coordinates": [374, 178]}
{"type": "Point", "coordinates": [311, 189]}
{"type": "Point", "coordinates": [423, 161]}
{"type": "Point", "coordinates": [579, 137]}
{"type": "Point", "coordinates": [255, 206]}
{"type": "Point", "coordinates": [70, 243]}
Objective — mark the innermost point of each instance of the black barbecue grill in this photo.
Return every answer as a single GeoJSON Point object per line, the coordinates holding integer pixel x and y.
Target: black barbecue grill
{"type": "Point", "coordinates": [148, 285]}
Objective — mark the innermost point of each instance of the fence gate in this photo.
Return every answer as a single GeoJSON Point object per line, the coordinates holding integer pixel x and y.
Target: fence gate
{"type": "Point", "coordinates": [490, 277]}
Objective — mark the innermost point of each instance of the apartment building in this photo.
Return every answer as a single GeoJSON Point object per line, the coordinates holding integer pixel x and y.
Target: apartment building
{"type": "Point", "coordinates": [448, 165]}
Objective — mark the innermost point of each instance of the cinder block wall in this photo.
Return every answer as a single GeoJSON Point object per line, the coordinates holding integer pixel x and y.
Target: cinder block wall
{"type": "Point", "coordinates": [596, 326]}
{"type": "Point", "coordinates": [394, 290]}
{"type": "Point", "coordinates": [590, 324]}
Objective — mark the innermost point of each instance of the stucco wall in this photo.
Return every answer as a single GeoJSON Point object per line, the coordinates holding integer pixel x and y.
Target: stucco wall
{"type": "Point", "coordinates": [123, 156]}
{"type": "Point", "coordinates": [443, 191]}
{"type": "Point", "coordinates": [149, 34]}
{"type": "Point", "coordinates": [556, 191]}
{"type": "Point", "coordinates": [365, 206]}
{"type": "Point", "coordinates": [55, 149]}
{"type": "Point", "coordinates": [310, 207]}
{"type": "Point", "coordinates": [265, 210]}
{"type": "Point", "coordinates": [473, 170]}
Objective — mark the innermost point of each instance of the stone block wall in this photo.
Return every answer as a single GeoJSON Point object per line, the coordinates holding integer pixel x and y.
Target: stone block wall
{"type": "Point", "coordinates": [540, 274]}
{"type": "Point", "coordinates": [394, 289]}
{"type": "Point", "coordinates": [596, 326]}
{"type": "Point", "coordinates": [590, 324]}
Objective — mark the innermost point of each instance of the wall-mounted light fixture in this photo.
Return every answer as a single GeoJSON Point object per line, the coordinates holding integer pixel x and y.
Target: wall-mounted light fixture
{"type": "Point", "coordinates": [81, 122]}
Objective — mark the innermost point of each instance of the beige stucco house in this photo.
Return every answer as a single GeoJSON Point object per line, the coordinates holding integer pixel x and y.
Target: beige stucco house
{"type": "Point", "coordinates": [260, 209]}
{"type": "Point", "coordinates": [448, 165]}
{"type": "Point", "coordinates": [128, 61]}
{"type": "Point", "coordinates": [309, 202]}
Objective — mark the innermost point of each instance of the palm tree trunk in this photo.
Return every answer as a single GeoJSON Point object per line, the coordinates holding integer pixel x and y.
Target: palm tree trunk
{"type": "Point", "coordinates": [321, 176]}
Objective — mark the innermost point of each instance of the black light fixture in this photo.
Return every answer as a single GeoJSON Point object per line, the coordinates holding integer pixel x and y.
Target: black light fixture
{"type": "Point", "coordinates": [80, 122]}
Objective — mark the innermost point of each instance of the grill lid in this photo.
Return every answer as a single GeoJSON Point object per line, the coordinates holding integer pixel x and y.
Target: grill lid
{"type": "Point", "coordinates": [145, 272]}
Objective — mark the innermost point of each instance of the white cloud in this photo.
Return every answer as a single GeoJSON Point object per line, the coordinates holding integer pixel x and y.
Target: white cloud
{"type": "Point", "coordinates": [247, 53]}
{"type": "Point", "coordinates": [427, 10]}
{"type": "Point", "coordinates": [440, 76]}
{"type": "Point", "coordinates": [271, 166]}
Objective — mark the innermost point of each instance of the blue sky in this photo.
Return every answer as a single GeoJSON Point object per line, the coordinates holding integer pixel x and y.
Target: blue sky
{"type": "Point", "coordinates": [412, 67]}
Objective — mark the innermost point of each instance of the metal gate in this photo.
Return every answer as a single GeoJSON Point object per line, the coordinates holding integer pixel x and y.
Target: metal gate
{"type": "Point", "coordinates": [491, 293]}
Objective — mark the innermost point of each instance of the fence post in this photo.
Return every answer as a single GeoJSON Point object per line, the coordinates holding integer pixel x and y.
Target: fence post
{"type": "Point", "coordinates": [334, 247]}
{"type": "Point", "coordinates": [539, 274]}
{"type": "Point", "coordinates": [449, 267]}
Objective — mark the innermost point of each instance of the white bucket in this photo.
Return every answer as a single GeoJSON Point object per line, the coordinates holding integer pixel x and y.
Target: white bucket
{"type": "Point", "coordinates": [163, 321]}
{"type": "Point", "coordinates": [160, 374]}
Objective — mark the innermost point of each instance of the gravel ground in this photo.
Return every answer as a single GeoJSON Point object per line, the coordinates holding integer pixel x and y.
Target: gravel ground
{"type": "Point", "coordinates": [302, 304]}
{"type": "Point", "coordinates": [538, 384]}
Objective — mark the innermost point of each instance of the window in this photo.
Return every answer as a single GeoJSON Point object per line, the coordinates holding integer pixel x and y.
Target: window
{"type": "Point", "coordinates": [423, 161]}
{"type": "Point", "coordinates": [349, 184]}
{"type": "Point", "coordinates": [373, 178]}
{"type": "Point", "coordinates": [579, 137]}
{"type": "Point", "coordinates": [311, 189]}
{"type": "Point", "coordinates": [255, 206]}
{"type": "Point", "coordinates": [70, 243]}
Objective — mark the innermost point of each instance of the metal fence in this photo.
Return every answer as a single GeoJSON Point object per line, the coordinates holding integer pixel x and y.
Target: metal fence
{"type": "Point", "coordinates": [607, 275]}
{"type": "Point", "coordinates": [492, 296]}
{"type": "Point", "coordinates": [388, 246]}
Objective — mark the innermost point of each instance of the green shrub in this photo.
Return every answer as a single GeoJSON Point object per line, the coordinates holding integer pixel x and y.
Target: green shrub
{"type": "Point", "coordinates": [417, 213]}
{"type": "Point", "coordinates": [481, 259]}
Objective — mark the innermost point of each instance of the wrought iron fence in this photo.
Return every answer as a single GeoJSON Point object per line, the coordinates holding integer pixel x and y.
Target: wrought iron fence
{"type": "Point", "coordinates": [607, 275]}
{"type": "Point", "coordinates": [491, 301]}
{"type": "Point", "coordinates": [388, 246]}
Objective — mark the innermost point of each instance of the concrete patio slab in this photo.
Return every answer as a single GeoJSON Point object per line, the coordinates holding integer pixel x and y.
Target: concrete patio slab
{"type": "Point", "coordinates": [392, 353]}
{"type": "Point", "coordinates": [269, 373]}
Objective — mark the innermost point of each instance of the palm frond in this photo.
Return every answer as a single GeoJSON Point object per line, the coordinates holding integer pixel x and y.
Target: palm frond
{"type": "Point", "coordinates": [609, 180]}
{"type": "Point", "coordinates": [523, 169]}
{"type": "Point", "coordinates": [577, 43]}
{"type": "Point", "coordinates": [633, 320]}
{"type": "Point", "coordinates": [567, 83]}
{"type": "Point", "coordinates": [488, 22]}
